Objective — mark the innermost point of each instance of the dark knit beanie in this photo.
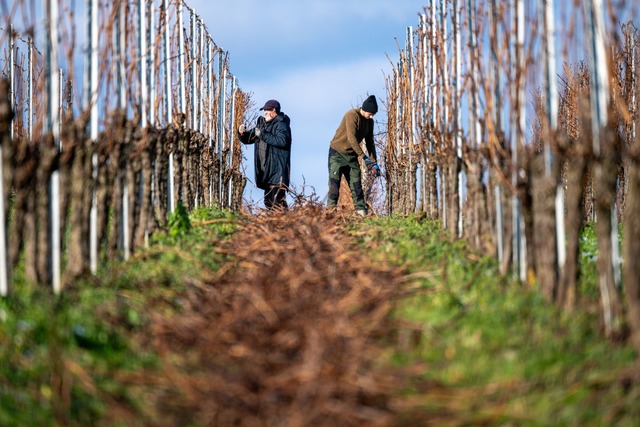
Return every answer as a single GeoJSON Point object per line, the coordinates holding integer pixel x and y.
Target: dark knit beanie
{"type": "Point", "coordinates": [370, 105]}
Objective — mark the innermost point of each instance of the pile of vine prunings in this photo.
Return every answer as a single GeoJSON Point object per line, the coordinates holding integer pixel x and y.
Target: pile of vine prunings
{"type": "Point", "coordinates": [284, 334]}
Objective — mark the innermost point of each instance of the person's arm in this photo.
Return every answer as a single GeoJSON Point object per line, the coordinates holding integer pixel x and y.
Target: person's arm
{"type": "Point", "coordinates": [369, 143]}
{"type": "Point", "coordinates": [351, 125]}
{"type": "Point", "coordinates": [249, 135]}
{"type": "Point", "coordinates": [245, 137]}
{"type": "Point", "coordinates": [280, 135]}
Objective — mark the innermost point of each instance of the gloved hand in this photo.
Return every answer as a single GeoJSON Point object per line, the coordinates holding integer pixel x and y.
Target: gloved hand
{"type": "Point", "coordinates": [242, 129]}
{"type": "Point", "coordinates": [372, 165]}
{"type": "Point", "coordinates": [369, 163]}
{"type": "Point", "coordinates": [257, 132]}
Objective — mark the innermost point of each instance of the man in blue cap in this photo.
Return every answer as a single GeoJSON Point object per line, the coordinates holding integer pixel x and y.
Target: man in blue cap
{"type": "Point", "coordinates": [345, 153]}
{"type": "Point", "coordinates": [272, 141]}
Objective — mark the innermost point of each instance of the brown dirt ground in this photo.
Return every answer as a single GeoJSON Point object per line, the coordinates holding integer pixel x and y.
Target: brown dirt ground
{"type": "Point", "coordinates": [287, 333]}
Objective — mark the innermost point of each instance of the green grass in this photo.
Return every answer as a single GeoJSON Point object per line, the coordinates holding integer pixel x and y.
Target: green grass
{"type": "Point", "coordinates": [508, 357]}
{"type": "Point", "coordinates": [474, 348]}
{"type": "Point", "coordinates": [61, 356]}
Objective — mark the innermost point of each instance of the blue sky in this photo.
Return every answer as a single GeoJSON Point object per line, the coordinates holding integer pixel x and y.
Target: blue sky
{"type": "Point", "coordinates": [317, 57]}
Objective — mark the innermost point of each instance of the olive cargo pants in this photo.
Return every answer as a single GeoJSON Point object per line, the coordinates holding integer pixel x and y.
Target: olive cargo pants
{"type": "Point", "coordinates": [345, 165]}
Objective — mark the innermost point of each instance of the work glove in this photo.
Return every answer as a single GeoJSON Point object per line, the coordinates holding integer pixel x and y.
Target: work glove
{"type": "Point", "coordinates": [368, 162]}
{"type": "Point", "coordinates": [257, 132]}
{"type": "Point", "coordinates": [372, 165]}
{"type": "Point", "coordinates": [242, 129]}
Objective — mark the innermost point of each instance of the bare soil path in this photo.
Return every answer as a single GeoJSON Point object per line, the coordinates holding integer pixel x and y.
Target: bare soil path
{"type": "Point", "coordinates": [286, 333]}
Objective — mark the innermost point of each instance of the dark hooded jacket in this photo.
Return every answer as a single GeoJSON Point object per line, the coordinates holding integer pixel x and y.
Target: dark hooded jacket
{"type": "Point", "coordinates": [272, 150]}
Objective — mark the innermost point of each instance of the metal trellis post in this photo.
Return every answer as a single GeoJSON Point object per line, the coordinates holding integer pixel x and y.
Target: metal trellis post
{"type": "Point", "coordinates": [182, 106]}
{"type": "Point", "coordinates": [167, 101]}
{"type": "Point", "coordinates": [210, 76]}
{"type": "Point", "coordinates": [231, 133]}
{"type": "Point", "coordinates": [30, 88]}
{"type": "Point", "coordinates": [201, 76]}
{"type": "Point", "coordinates": [12, 95]}
{"type": "Point", "coordinates": [52, 126]}
{"type": "Point", "coordinates": [473, 55]}
{"type": "Point", "coordinates": [634, 82]}
{"type": "Point", "coordinates": [120, 38]}
{"type": "Point", "coordinates": [444, 89]}
{"type": "Point", "coordinates": [60, 91]}
{"type": "Point", "coordinates": [599, 100]}
{"type": "Point", "coordinates": [517, 126]}
{"type": "Point", "coordinates": [142, 77]}
{"type": "Point", "coordinates": [142, 54]}
{"type": "Point", "coordinates": [457, 95]}
{"type": "Point", "coordinates": [91, 91]}
{"type": "Point", "coordinates": [4, 265]}
{"type": "Point", "coordinates": [151, 68]}
{"type": "Point", "coordinates": [194, 72]}
{"type": "Point", "coordinates": [497, 119]}
{"type": "Point", "coordinates": [221, 118]}
{"type": "Point", "coordinates": [412, 105]}
{"type": "Point", "coordinates": [552, 119]}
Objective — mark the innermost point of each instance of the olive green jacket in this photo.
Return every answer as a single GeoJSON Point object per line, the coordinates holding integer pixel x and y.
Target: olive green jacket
{"type": "Point", "coordinates": [353, 129]}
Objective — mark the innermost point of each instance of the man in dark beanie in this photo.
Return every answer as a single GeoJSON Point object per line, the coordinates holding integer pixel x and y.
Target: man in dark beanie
{"type": "Point", "coordinates": [272, 139]}
{"type": "Point", "coordinates": [345, 153]}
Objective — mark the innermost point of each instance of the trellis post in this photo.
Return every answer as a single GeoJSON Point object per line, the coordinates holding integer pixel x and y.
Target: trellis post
{"type": "Point", "coordinates": [167, 101]}
{"type": "Point", "coordinates": [457, 123]}
{"type": "Point", "coordinates": [497, 120]}
{"type": "Point", "coordinates": [222, 79]}
{"type": "Point", "coordinates": [52, 126]}
{"type": "Point", "coordinates": [231, 134]}
{"type": "Point", "coordinates": [518, 122]}
{"type": "Point", "coordinates": [91, 91]}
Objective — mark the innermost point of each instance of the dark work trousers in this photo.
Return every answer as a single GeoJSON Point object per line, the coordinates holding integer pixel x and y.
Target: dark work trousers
{"type": "Point", "coordinates": [345, 165]}
{"type": "Point", "coordinates": [275, 197]}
